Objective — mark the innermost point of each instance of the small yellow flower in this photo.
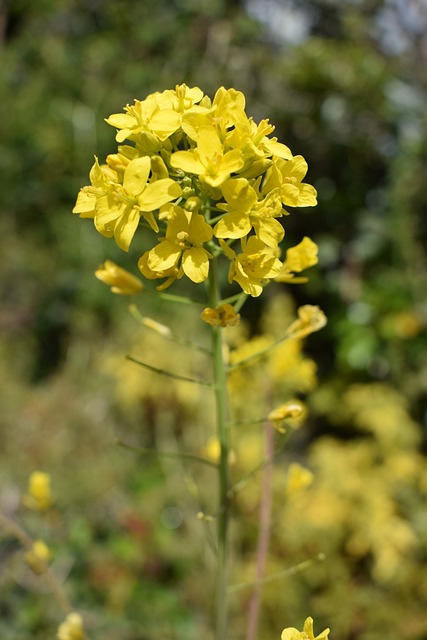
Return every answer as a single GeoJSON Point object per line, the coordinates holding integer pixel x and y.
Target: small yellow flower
{"type": "Point", "coordinates": [185, 235]}
{"type": "Point", "coordinates": [145, 117]}
{"type": "Point", "coordinates": [245, 211]}
{"type": "Point", "coordinates": [288, 176]}
{"type": "Point", "coordinates": [212, 451]}
{"type": "Point", "coordinates": [38, 557]}
{"type": "Point", "coordinates": [311, 318]}
{"type": "Point", "coordinates": [119, 209]}
{"type": "Point", "coordinates": [71, 628]}
{"type": "Point", "coordinates": [209, 160]}
{"type": "Point", "coordinates": [121, 281]}
{"type": "Point", "coordinates": [253, 267]}
{"type": "Point", "coordinates": [298, 258]}
{"type": "Point", "coordinates": [299, 478]}
{"type": "Point", "coordinates": [290, 633]}
{"type": "Point", "coordinates": [39, 496]}
{"type": "Point", "coordinates": [222, 316]}
{"type": "Point", "coordinates": [291, 412]}
{"type": "Point", "coordinates": [255, 144]}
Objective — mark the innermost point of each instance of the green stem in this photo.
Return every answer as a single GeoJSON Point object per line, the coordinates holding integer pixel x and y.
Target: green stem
{"type": "Point", "coordinates": [221, 398]}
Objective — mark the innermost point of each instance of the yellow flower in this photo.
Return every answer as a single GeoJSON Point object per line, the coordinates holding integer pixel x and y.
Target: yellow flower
{"type": "Point", "coordinates": [186, 233]}
{"type": "Point", "coordinates": [299, 478]}
{"type": "Point", "coordinates": [228, 106]}
{"type": "Point", "coordinates": [298, 258]}
{"type": "Point", "coordinates": [302, 256]}
{"type": "Point", "coordinates": [38, 557]}
{"type": "Point", "coordinates": [287, 175]}
{"type": "Point", "coordinates": [292, 412]}
{"type": "Point", "coordinates": [39, 496]}
{"type": "Point", "coordinates": [252, 139]}
{"type": "Point", "coordinates": [222, 316]}
{"type": "Point", "coordinates": [145, 117]}
{"type": "Point", "coordinates": [100, 177]}
{"type": "Point", "coordinates": [119, 210]}
{"type": "Point", "coordinates": [212, 451]}
{"type": "Point", "coordinates": [182, 99]}
{"type": "Point", "coordinates": [246, 212]}
{"type": "Point", "coordinates": [253, 267]}
{"type": "Point", "coordinates": [122, 282]}
{"type": "Point", "coordinates": [311, 318]}
{"type": "Point", "coordinates": [71, 628]}
{"type": "Point", "coordinates": [208, 160]}
{"type": "Point", "coordinates": [290, 633]}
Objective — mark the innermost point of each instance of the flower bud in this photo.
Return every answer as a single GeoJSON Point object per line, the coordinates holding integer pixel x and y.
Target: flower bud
{"type": "Point", "coordinates": [122, 282]}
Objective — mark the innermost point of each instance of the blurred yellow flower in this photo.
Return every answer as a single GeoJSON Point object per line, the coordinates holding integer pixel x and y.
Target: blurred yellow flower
{"type": "Point", "coordinates": [71, 628]}
{"type": "Point", "coordinates": [299, 478]}
{"type": "Point", "coordinates": [290, 633]}
{"type": "Point", "coordinates": [292, 412]}
{"type": "Point", "coordinates": [212, 451]}
{"type": "Point", "coordinates": [121, 281]}
{"type": "Point", "coordinates": [39, 496]}
{"type": "Point", "coordinates": [38, 557]}
{"type": "Point", "coordinates": [311, 318]}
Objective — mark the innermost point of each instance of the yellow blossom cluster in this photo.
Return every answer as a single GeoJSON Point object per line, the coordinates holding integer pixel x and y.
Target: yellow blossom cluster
{"type": "Point", "coordinates": [199, 175]}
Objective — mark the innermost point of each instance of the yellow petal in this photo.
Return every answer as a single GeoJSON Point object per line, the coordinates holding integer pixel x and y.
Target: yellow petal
{"type": "Point", "coordinates": [307, 196]}
{"type": "Point", "coordinates": [125, 228]}
{"type": "Point", "coordinates": [164, 123]}
{"type": "Point", "coordinates": [239, 194]}
{"type": "Point", "coordinates": [158, 193]}
{"type": "Point", "coordinates": [195, 264]}
{"type": "Point", "coordinates": [187, 161]}
{"type": "Point", "coordinates": [136, 175]}
{"type": "Point", "coordinates": [85, 205]}
{"type": "Point", "coordinates": [233, 225]}
{"type": "Point", "coordinates": [164, 256]}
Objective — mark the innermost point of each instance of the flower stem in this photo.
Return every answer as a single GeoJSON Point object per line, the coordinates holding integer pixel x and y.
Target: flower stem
{"type": "Point", "coordinates": [27, 542]}
{"type": "Point", "coordinates": [221, 398]}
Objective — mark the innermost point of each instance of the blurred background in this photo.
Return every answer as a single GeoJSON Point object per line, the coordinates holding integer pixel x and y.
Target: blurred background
{"type": "Point", "coordinates": [344, 82]}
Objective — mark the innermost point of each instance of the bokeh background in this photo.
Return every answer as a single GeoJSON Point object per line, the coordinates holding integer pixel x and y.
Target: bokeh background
{"type": "Point", "coordinates": [345, 84]}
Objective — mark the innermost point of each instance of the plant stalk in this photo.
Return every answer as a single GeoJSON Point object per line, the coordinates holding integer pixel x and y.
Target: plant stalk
{"type": "Point", "coordinates": [221, 399]}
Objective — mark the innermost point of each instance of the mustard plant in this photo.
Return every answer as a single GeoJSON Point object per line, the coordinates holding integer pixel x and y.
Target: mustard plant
{"type": "Point", "coordinates": [208, 187]}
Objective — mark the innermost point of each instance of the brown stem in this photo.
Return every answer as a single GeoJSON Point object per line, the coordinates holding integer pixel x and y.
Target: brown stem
{"type": "Point", "coordinates": [264, 534]}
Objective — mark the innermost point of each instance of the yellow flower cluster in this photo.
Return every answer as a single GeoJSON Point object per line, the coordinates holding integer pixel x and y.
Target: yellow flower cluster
{"type": "Point", "coordinates": [201, 175]}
